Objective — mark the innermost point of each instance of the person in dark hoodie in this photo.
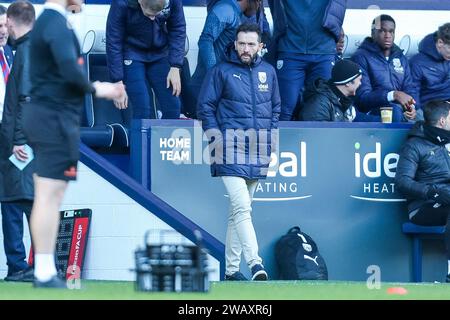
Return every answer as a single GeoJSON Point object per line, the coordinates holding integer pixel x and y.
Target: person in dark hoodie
{"type": "Point", "coordinates": [332, 100]}
{"type": "Point", "coordinates": [387, 78]}
{"type": "Point", "coordinates": [239, 98]}
{"type": "Point", "coordinates": [16, 186]}
{"type": "Point", "coordinates": [423, 170]}
{"type": "Point", "coordinates": [430, 68]}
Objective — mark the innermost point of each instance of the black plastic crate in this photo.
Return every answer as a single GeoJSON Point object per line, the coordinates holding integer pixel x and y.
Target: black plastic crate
{"type": "Point", "coordinates": [171, 267]}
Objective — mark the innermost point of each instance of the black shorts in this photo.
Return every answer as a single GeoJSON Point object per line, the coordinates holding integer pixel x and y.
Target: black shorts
{"type": "Point", "coordinates": [54, 135]}
{"type": "Point", "coordinates": [54, 161]}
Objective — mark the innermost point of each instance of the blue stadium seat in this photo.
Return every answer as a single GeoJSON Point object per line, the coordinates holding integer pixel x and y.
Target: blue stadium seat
{"type": "Point", "coordinates": [103, 124]}
{"type": "Point", "coordinates": [418, 233]}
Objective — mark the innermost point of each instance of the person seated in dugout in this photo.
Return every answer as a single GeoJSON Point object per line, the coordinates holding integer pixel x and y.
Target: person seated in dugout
{"type": "Point", "coordinates": [423, 170]}
{"type": "Point", "coordinates": [387, 80]}
{"type": "Point", "coordinates": [332, 100]}
{"type": "Point", "coordinates": [430, 68]}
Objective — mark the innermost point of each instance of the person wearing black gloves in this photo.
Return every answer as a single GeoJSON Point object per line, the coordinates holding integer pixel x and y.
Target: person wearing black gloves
{"type": "Point", "coordinates": [423, 170]}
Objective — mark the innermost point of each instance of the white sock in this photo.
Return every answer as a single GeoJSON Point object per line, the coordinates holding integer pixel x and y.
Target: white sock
{"type": "Point", "coordinates": [44, 267]}
{"type": "Point", "coordinates": [448, 261]}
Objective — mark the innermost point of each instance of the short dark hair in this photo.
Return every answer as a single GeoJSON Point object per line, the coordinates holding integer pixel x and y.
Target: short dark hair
{"type": "Point", "coordinates": [22, 12]}
{"type": "Point", "coordinates": [435, 110]}
{"type": "Point", "coordinates": [249, 27]}
{"type": "Point", "coordinates": [2, 10]}
{"type": "Point", "coordinates": [443, 33]}
{"type": "Point", "coordinates": [381, 18]}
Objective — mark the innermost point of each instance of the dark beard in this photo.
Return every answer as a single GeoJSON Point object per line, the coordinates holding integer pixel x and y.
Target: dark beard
{"type": "Point", "coordinates": [252, 58]}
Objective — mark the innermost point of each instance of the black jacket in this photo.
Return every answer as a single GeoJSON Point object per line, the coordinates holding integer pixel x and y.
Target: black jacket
{"type": "Point", "coordinates": [322, 104]}
{"type": "Point", "coordinates": [423, 162]}
{"type": "Point", "coordinates": [15, 184]}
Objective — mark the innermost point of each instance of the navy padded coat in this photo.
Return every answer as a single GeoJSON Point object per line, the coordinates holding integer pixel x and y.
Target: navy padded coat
{"type": "Point", "coordinates": [130, 35]}
{"type": "Point", "coordinates": [381, 75]}
{"type": "Point", "coordinates": [430, 72]}
{"type": "Point", "coordinates": [238, 96]}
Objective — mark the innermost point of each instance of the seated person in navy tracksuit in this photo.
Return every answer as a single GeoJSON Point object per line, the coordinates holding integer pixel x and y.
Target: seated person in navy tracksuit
{"type": "Point", "coordinates": [145, 41]}
{"type": "Point", "coordinates": [430, 68]}
{"type": "Point", "coordinates": [386, 75]}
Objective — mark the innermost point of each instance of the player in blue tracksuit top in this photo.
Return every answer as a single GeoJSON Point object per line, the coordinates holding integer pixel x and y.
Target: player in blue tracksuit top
{"type": "Point", "coordinates": [145, 41]}
{"type": "Point", "coordinates": [306, 32]}
{"type": "Point", "coordinates": [219, 31]}
{"type": "Point", "coordinates": [430, 68]}
{"type": "Point", "coordinates": [222, 21]}
{"type": "Point", "coordinates": [239, 100]}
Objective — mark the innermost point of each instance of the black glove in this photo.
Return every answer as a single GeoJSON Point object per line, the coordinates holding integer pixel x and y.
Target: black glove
{"type": "Point", "coordinates": [439, 195]}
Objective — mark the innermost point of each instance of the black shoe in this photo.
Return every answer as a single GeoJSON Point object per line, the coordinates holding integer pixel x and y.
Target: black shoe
{"type": "Point", "coordinates": [54, 282]}
{"type": "Point", "coordinates": [26, 275]}
{"type": "Point", "coordinates": [237, 276]}
{"type": "Point", "coordinates": [259, 273]}
{"type": "Point", "coordinates": [447, 279]}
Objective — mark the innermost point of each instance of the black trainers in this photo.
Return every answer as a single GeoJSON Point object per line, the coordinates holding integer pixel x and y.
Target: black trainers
{"type": "Point", "coordinates": [54, 282]}
{"type": "Point", "coordinates": [258, 273]}
{"type": "Point", "coordinates": [237, 276]}
{"type": "Point", "coordinates": [26, 275]}
{"type": "Point", "coordinates": [447, 279]}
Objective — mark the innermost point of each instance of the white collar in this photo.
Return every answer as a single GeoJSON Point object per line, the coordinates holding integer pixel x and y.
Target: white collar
{"type": "Point", "coordinates": [56, 7]}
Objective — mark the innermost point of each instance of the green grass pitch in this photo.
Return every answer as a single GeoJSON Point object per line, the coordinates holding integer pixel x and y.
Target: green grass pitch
{"type": "Point", "coordinates": [271, 290]}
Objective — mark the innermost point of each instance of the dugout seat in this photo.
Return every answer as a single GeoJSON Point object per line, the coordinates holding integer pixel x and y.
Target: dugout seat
{"type": "Point", "coordinates": [103, 125]}
{"type": "Point", "coordinates": [418, 233]}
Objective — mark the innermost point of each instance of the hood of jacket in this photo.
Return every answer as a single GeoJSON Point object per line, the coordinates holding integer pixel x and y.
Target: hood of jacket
{"type": "Point", "coordinates": [434, 134]}
{"type": "Point", "coordinates": [428, 47]}
{"type": "Point", "coordinates": [417, 130]}
{"type": "Point", "coordinates": [320, 86]}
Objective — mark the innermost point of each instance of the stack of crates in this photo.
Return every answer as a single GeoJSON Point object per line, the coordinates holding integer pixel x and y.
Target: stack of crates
{"type": "Point", "coordinates": [171, 267]}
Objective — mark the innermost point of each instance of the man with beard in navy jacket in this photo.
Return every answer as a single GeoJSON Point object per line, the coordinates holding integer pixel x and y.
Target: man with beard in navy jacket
{"type": "Point", "coordinates": [386, 77]}
{"type": "Point", "coordinates": [240, 99]}
{"type": "Point", "coordinates": [430, 68]}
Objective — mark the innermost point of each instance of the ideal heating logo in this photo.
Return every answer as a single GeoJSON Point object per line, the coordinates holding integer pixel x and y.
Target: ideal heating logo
{"type": "Point", "coordinates": [285, 168]}
{"type": "Point", "coordinates": [378, 173]}
{"type": "Point", "coordinates": [282, 176]}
